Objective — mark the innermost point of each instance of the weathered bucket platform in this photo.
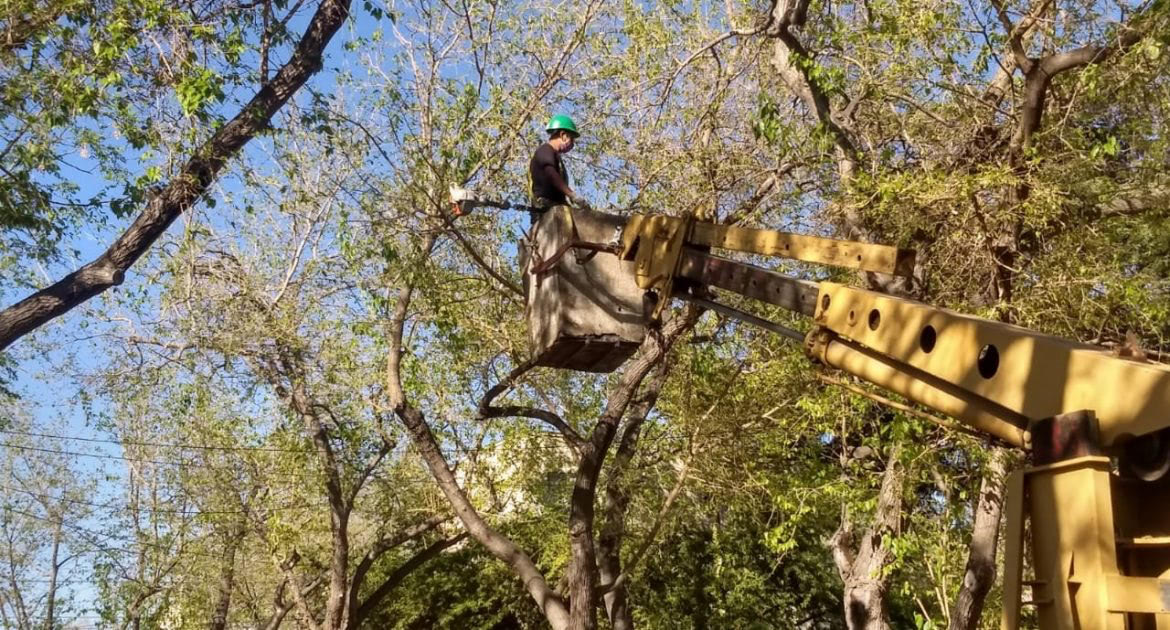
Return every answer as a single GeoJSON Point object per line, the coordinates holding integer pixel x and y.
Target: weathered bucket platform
{"type": "Point", "coordinates": [584, 309]}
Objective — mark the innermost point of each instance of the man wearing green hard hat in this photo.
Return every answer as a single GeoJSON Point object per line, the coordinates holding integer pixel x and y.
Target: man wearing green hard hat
{"type": "Point", "coordinates": [548, 179]}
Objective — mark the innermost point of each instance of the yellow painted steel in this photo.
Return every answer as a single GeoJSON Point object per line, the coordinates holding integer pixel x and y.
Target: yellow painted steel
{"type": "Point", "coordinates": [1073, 544]}
{"type": "Point", "coordinates": [921, 388]}
{"type": "Point", "coordinates": [658, 230]}
{"type": "Point", "coordinates": [1136, 594]}
{"type": "Point", "coordinates": [1033, 375]}
{"type": "Point", "coordinates": [813, 249]}
{"type": "Point", "coordinates": [1100, 544]}
{"type": "Point", "coordinates": [655, 242]}
{"type": "Point", "coordinates": [1088, 574]}
{"type": "Point", "coordinates": [1013, 550]}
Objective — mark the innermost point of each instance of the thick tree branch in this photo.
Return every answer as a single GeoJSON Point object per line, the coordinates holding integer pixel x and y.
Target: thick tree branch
{"type": "Point", "coordinates": [184, 190]}
{"type": "Point", "coordinates": [394, 579]}
{"type": "Point", "coordinates": [659, 522]}
{"type": "Point", "coordinates": [1015, 34]}
{"type": "Point", "coordinates": [1039, 74]}
{"type": "Point", "coordinates": [794, 65]}
{"type": "Point", "coordinates": [551, 604]}
{"type": "Point", "coordinates": [582, 553]}
{"type": "Point", "coordinates": [293, 390]}
{"type": "Point", "coordinates": [378, 550]}
{"type": "Point", "coordinates": [299, 591]}
{"type": "Point", "coordinates": [860, 562]}
{"type": "Point", "coordinates": [617, 500]}
{"type": "Point", "coordinates": [282, 608]}
{"type": "Point", "coordinates": [487, 410]}
{"type": "Point", "coordinates": [979, 574]}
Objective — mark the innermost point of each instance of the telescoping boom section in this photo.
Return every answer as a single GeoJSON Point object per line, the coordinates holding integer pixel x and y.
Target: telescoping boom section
{"type": "Point", "coordinates": [1095, 424]}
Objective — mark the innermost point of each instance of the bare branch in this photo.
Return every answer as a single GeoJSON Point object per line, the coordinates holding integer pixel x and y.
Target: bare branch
{"type": "Point", "coordinates": [379, 548]}
{"type": "Point", "coordinates": [471, 251]}
{"type": "Point", "coordinates": [486, 410]}
{"type": "Point", "coordinates": [394, 579]}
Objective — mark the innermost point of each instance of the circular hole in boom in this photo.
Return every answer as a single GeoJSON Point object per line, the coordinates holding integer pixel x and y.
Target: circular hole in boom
{"type": "Point", "coordinates": [824, 302]}
{"type": "Point", "coordinates": [875, 319]}
{"type": "Point", "coordinates": [927, 339]}
{"type": "Point", "coordinates": [988, 361]}
{"type": "Point", "coordinates": [1147, 457]}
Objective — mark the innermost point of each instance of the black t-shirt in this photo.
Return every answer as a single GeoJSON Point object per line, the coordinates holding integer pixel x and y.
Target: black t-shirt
{"type": "Point", "coordinates": [543, 186]}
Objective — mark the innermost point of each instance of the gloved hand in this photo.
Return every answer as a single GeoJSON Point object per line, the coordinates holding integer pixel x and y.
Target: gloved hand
{"type": "Point", "coordinates": [579, 202]}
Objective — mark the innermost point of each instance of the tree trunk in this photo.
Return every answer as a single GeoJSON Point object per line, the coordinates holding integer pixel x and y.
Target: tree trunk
{"type": "Point", "coordinates": [980, 572]}
{"type": "Point", "coordinates": [582, 555]}
{"type": "Point", "coordinates": [861, 563]}
{"type": "Point", "coordinates": [613, 525]}
{"type": "Point", "coordinates": [227, 569]}
{"type": "Point", "coordinates": [549, 602]}
{"type": "Point", "coordinates": [583, 571]}
{"type": "Point", "coordinates": [865, 607]}
{"type": "Point", "coordinates": [613, 529]}
{"type": "Point", "coordinates": [336, 610]}
{"type": "Point", "coordinates": [51, 595]}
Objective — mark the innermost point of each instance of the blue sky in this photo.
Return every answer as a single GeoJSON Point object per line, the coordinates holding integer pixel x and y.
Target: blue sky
{"type": "Point", "coordinates": [53, 361]}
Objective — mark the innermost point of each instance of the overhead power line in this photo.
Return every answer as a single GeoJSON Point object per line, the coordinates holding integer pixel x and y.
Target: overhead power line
{"type": "Point", "coordinates": [108, 506]}
{"type": "Point", "coordinates": [202, 447]}
{"type": "Point", "coordinates": [22, 447]}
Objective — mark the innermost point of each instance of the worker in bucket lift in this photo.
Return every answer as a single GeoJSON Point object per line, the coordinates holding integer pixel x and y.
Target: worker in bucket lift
{"type": "Point", "coordinates": [548, 179]}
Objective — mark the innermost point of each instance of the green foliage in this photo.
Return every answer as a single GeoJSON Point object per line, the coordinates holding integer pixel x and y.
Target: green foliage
{"type": "Point", "coordinates": [747, 466]}
{"type": "Point", "coordinates": [88, 88]}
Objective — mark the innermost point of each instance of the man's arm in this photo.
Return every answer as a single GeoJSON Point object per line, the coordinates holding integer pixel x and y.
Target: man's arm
{"type": "Point", "coordinates": [557, 181]}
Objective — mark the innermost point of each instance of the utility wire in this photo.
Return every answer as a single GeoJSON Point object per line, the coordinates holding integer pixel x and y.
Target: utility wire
{"type": "Point", "coordinates": [107, 506]}
{"type": "Point", "coordinates": [205, 447]}
{"type": "Point", "coordinates": [21, 447]}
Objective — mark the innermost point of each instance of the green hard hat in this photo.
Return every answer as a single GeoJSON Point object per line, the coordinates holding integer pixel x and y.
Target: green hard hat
{"type": "Point", "coordinates": [561, 121]}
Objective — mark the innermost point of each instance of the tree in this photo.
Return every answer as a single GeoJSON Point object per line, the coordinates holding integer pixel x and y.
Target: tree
{"type": "Point", "coordinates": [313, 486]}
{"type": "Point", "coordinates": [43, 540]}
{"type": "Point", "coordinates": [187, 186]}
{"type": "Point", "coordinates": [322, 388]}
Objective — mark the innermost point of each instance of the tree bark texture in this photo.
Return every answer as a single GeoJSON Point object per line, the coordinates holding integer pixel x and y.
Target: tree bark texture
{"type": "Point", "coordinates": [860, 562]}
{"type": "Point", "coordinates": [613, 529]}
{"type": "Point", "coordinates": [183, 191]}
{"type": "Point", "coordinates": [500, 546]}
{"type": "Point", "coordinates": [613, 526]}
{"type": "Point", "coordinates": [979, 574]}
{"type": "Point", "coordinates": [227, 569]}
{"type": "Point", "coordinates": [583, 572]}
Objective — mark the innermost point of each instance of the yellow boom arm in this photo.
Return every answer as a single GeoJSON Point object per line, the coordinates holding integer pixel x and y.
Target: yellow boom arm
{"type": "Point", "coordinates": [1100, 540]}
